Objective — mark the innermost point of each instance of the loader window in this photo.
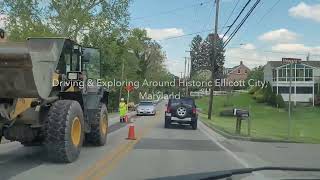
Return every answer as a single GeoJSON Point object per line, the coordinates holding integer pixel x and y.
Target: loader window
{"type": "Point", "coordinates": [91, 60]}
{"type": "Point", "coordinates": [67, 59]}
{"type": "Point", "coordinates": [75, 62]}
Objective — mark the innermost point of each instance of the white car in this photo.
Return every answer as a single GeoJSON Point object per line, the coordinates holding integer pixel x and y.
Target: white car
{"type": "Point", "coordinates": [146, 108]}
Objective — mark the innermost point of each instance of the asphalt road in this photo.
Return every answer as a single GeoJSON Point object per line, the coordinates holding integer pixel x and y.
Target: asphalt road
{"type": "Point", "coordinates": [158, 153]}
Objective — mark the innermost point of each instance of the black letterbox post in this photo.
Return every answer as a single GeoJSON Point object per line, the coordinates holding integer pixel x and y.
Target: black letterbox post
{"type": "Point", "coordinates": [241, 115]}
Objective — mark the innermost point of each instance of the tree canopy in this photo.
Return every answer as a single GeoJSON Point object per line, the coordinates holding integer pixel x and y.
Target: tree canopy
{"type": "Point", "coordinates": [101, 24]}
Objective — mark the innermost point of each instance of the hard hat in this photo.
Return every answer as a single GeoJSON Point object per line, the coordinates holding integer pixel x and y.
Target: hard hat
{"type": "Point", "coordinates": [122, 99]}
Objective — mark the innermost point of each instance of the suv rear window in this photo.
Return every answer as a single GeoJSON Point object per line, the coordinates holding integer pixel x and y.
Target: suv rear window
{"type": "Point", "coordinates": [146, 103]}
{"type": "Point", "coordinates": [189, 101]}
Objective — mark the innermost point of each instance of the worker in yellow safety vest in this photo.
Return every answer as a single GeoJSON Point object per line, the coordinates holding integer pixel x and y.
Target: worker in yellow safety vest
{"type": "Point", "coordinates": [122, 110]}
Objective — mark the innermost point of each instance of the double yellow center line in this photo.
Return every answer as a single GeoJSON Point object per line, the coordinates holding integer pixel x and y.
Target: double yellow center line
{"type": "Point", "coordinates": [107, 163]}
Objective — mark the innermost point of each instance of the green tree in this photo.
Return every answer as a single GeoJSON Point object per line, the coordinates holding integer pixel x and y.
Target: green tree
{"type": "Point", "coordinates": [195, 54]}
{"type": "Point", "coordinates": [101, 24]}
{"type": "Point", "coordinates": [255, 74]}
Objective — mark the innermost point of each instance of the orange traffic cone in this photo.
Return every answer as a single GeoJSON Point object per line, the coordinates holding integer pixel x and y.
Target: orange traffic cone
{"type": "Point", "coordinates": [131, 134]}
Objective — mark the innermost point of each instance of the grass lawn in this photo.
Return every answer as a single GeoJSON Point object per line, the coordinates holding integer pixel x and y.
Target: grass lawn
{"type": "Point", "coordinates": [266, 121]}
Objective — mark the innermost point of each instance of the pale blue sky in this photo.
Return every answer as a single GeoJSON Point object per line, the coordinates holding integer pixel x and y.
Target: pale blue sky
{"type": "Point", "coordinates": [294, 25]}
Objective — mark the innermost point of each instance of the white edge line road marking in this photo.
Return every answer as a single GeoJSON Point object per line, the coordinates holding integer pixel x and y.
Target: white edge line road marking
{"type": "Point", "coordinates": [209, 133]}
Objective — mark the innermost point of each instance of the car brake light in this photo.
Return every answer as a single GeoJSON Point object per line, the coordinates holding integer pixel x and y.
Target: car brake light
{"type": "Point", "coordinates": [168, 109]}
{"type": "Point", "coordinates": [194, 110]}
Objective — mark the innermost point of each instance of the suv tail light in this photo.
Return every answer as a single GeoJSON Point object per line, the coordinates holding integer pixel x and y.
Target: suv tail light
{"type": "Point", "coordinates": [168, 109]}
{"type": "Point", "coordinates": [194, 110]}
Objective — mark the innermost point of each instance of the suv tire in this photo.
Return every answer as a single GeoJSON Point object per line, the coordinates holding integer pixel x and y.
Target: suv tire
{"type": "Point", "coordinates": [167, 123]}
{"type": "Point", "coordinates": [194, 124]}
{"type": "Point", "coordinates": [182, 111]}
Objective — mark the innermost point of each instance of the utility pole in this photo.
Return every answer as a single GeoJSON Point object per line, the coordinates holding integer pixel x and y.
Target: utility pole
{"type": "Point", "coordinates": [214, 56]}
{"type": "Point", "coordinates": [289, 111]}
{"type": "Point", "coordinates": [122, 74]}
{"type": "Point", "coordinates": [186, 70]}
{"type": "Point", "coordinates": [185, 75]}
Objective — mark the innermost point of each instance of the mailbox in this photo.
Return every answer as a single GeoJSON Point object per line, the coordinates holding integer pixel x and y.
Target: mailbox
{"type": "Point", "coordinates": [240, 113]}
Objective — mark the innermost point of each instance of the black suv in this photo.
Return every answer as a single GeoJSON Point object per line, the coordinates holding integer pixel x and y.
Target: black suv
{"type": "Point", "coordinates": [181, 111]}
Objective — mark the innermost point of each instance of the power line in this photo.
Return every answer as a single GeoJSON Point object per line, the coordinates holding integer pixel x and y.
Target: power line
{"type": "Point", "coordinates": [235, 20]}
{"type": "Point", "coordinates": [241, 23]}
{"type": "Point", "coordinates": [189, 34]}
{"type": "Point", "coordinates": [268, 11]}
{"type": "Point", "coordinates": [235, 6]}
{"type": "Point", "coordinates": [193, 33]}
{"type": "Point", "coordinates": [170, 11]}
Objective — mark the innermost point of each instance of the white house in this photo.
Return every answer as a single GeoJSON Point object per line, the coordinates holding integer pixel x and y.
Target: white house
{"type": "Point", "coordinates": [304, 79]}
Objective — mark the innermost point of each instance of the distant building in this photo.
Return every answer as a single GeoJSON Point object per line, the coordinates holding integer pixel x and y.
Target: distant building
{"type": "Point", "coordinates": [305, 76]}
{"type": "Point", "coordinates": [236, 73]}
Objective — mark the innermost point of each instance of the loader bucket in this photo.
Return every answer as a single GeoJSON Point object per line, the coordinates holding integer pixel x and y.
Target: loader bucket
{"type": "Point", "coordinates": [26, 69]}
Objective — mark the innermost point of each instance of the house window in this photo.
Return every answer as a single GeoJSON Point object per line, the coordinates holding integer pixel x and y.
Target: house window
{"type": "Point", "coordinates": [274, 89]}
{"type": "Point", "coordinates": [285, 90]}
{"type": "Point", "coordinates": [238, 71]}
{"type": "Point", "coordinates": [304, 90]}
{"type": "Point", "coordinates": [274, 75]}
{"type": "Point", "coordinates": [246, 71]}
{"type": "Point", "coordinates": [300, 74]}
{"type": "Point", "coordinates": [308, 74]}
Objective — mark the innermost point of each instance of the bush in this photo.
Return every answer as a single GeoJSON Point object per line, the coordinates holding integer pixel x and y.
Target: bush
{"type": "Point", "coordinates": [268, 93]}
{"type": "Point", "coordinates": [280, 102]}
{"type": "Point", "coordinates": [317, 100]}
{"type": "Point", "coordinates": [259, 95]}
{"type": "Point", "coordinates": [254, 89]}
{"type": "Point", "coordinates": [260, 98]}
{"type": "Point", "coordinates": [273, 99]}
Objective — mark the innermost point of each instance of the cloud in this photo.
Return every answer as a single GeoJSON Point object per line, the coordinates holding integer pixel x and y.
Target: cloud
{"type": "Point", "coordinates": [279, 35]}
{"type": "Point", "coordinates": [175, 66]}
{"type": "Point", "coordinates": [253, 57]}
{"type": "Point", "coordinates": [159, 34]}
{"type": "Point", "coordinates": [248, 46]}
{"type": "Point", "coordinates": [225, 37]}
{"type": "Point", "coordinates": [305, 11]}
{"type": "Point", "coordinates": [247, 54]}
{"type": "Point", "coordinates": [296, 48]}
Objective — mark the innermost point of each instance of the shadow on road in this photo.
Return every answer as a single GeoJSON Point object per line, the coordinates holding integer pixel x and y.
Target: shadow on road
{"type": "Point", "coordinates": [180, 126]}
{"type": "Point", "coordinates": [19, 160]}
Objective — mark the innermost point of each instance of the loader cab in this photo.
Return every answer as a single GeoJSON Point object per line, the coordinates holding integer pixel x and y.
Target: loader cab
{"type": "Point", "coordinates": [70, 59]}
{"type": "Point", "coordinates": [91, 62]}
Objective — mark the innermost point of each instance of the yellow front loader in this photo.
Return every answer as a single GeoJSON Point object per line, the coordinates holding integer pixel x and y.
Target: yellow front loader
{"type": "Point", "coordinates": [47, 97]}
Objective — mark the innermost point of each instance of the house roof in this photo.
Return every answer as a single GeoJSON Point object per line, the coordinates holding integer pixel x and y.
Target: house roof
{"type": "Point", "coordinates": [280, 63]}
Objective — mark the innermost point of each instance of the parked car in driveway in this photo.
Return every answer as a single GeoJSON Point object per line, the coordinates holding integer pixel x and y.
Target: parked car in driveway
{"type": "Point", "coordinates": [146, 108]}
{"type": "Point", "coordinates": [181, 111]}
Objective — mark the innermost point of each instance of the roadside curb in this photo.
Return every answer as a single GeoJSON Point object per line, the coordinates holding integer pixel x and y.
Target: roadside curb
{"type": "Point", "coordinates": [243, 138]}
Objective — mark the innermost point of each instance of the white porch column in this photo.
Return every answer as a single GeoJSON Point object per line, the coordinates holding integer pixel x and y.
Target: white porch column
{"type": "Point", "coordinates": [277, 81]}
{"type": "Point", "coordinates": [313, 92]}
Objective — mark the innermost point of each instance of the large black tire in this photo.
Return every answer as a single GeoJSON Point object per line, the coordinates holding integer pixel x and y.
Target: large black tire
{"type": "Point", "coordinates": [64, 131]}
{"type": "Point", "coordinates": [194, 124]}
{"type": "Point", "coordinates": [167, 123]}
{"type": "Point", "coordinates": [99, 127]}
